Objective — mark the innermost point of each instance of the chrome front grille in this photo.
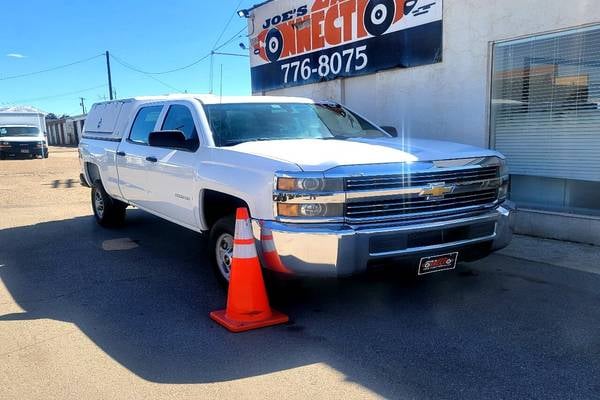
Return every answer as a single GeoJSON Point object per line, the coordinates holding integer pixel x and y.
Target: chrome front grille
{"type": "Point", "coordinates": [420, 179]}
{"type": "Point", "coordinates": [416, 207]}
{"type": "Point", "coordinates": [398, 197]}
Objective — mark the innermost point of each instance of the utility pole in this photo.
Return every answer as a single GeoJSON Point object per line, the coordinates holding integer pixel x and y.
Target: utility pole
{"type": "Point", "coordinates": [82, 104]}
{"type": "Point", "coordinates": [110, 89]}
{"type": "Point", "coordinates": [221, 86]}
{"type": "Point", "coordinates": [210, 74]}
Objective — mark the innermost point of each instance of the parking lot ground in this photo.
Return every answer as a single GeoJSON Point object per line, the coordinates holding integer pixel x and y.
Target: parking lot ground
{"type": "Point", "coordinates": [87, 312]}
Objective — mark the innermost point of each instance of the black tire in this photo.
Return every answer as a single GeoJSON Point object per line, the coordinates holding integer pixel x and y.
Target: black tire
{"type": "Point", "coordinates": [379, 15]}
{"type": "Point", "coordinates": [222, 232]}
{"type": "Point", "coordinates": [108, 212]}
{"type": "Point", "coordinates": [274, 44]}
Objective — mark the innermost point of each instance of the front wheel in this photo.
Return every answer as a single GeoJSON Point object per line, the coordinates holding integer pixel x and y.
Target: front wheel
{"type": "Point", "coordinates": [221, 247]}
{"type": "Point", "coordinates": [108, 212]}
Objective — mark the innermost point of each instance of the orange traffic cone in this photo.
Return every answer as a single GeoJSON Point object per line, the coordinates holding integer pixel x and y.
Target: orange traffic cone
{"type": "Point", "coordinates": [269, 252]}
{"type": "Point", "coordinates": [247, 303]}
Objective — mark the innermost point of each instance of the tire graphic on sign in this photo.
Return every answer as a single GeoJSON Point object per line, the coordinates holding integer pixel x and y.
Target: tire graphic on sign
{"type": "Point", "coordinates": [379, 15]}
{"type": "Point", "coordinates": [409, 5]}
{"type": "Point", "coordinates": [274, 44]}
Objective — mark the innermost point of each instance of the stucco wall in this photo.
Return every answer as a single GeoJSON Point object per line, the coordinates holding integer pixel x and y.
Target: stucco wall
{"type": "Point", "coordinates": [449, 100]}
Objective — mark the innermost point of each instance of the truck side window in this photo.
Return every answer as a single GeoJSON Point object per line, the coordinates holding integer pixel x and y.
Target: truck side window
{"type": "Point", "coordinates": [179, 118]}
{"type": "Point", "coordinates": [144, 123]}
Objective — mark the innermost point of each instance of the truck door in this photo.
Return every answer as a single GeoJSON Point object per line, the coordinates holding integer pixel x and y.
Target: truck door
{"type": "Point", "coordinates": [171, 177]}
{"type": "Point", "coordinates": [132, 154]}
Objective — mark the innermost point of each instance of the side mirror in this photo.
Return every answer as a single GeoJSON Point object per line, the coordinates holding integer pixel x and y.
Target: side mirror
{"type": "Point", "coordinates": [390, 130]}
{"type": "Point", "coordinates": [170, 139]}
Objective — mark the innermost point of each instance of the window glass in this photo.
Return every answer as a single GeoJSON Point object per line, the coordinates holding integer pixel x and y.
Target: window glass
{"type": "Point", "coordinates": [545, 118]}
{"type": "Point", "coordinates": [19, 131]}
{"type": "Point", "coordinates": [179, 118]}
{"type": "Point", "coordinates": [144, 124]}
{"type": "Point", "coordinates": [232, 124]}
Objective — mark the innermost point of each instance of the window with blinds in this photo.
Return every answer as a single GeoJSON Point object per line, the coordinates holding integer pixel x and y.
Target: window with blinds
{"type": "Point", "coordinates": [545, 105]}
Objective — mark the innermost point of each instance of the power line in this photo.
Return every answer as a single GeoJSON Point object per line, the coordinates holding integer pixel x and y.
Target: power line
{"type": "Point", "coordinates": [135, 69]}
{"type": "Point", "coordinates": [5, 78]}
{"type": "Point", "coordinates": [164, 83]}
{"type": "Point", "coordinates": [227, 24]}
{"type": "Point", "coordinates": [237, 35]}
{"type": "Point", "coordinates": [199, 60]}
{"type": "Point", "coordinates": [56, 95]}
{"type": "Point", "coordinates": [218, 53]}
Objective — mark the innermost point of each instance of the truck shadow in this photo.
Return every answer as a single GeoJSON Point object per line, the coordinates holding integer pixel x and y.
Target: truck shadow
{"type": "Point", "coordinates": [463, 334]}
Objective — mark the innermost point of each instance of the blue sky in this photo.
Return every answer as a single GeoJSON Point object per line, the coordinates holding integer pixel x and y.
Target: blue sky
{"type": "Point", "coordinates": [151, 35]}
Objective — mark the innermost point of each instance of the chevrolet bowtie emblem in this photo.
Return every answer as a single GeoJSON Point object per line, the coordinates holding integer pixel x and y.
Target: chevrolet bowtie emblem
{"type": "Point", "coordinates": [437, 190]}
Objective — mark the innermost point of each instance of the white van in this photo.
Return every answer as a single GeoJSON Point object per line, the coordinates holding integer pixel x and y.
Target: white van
{"type": "Point", "coordinates": [22, 132]}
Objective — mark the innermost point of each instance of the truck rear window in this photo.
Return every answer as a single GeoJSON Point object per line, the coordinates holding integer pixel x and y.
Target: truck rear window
{"type": "Point", "coordinates": [232, 124]}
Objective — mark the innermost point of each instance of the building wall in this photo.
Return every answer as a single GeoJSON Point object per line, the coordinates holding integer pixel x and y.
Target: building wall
{"type": "Point", "coordinates": [65, 131]}
{"type": "Point", "coordinates": [450, 100]}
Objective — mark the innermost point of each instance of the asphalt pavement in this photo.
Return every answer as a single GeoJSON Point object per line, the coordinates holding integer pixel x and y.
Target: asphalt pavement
{"type": "Point", "coordinates": [87, 312]}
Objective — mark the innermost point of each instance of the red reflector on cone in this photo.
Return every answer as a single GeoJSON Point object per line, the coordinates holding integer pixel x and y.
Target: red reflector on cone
{"type": "Point", "coordinates": [269, 252]}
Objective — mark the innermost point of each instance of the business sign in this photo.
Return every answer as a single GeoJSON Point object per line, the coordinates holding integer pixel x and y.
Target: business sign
{"type": "Point", "coordinates": [296, 42]}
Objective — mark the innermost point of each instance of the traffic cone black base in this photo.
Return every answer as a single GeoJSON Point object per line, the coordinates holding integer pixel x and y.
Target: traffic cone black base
{"type": "Point", "coordinates": [242, 326]}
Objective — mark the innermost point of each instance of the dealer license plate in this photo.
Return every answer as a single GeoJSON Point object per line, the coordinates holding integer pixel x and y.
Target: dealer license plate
{"type": "Point", "coordinates": [24, 150]}
{"type": "Point", "coordinates": [444, 262]}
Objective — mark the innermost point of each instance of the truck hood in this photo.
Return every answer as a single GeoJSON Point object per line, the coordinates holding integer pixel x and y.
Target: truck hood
{"type": "Point", "coordinates": [321, 155]}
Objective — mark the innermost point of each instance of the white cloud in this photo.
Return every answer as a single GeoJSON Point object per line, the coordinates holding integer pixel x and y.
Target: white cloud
{"type": "Point", "coordinates": [15, 55]}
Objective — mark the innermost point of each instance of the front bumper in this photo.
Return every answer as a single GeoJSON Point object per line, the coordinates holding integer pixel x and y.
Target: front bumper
{"type": "Point", "coordinates": [341, 250]}
{"type": "Point", "coordinates": [23, 149]}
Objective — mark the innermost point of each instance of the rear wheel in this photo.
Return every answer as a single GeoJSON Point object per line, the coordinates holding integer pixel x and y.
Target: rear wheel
{"type": "Point", "coordinates": [108, 212]}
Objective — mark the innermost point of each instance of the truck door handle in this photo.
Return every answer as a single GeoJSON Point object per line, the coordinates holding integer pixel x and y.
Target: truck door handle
{"type": "Point", "coordinates": [121, 153]}
{"type": "Point", "coordinates": [151, 159]}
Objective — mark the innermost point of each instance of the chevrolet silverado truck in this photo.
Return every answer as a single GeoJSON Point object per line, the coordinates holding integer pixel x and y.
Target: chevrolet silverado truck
{"type": "Point", "coordinates": [328, 191]}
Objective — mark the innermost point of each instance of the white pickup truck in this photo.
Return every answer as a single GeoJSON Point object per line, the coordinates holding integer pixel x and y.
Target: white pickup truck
{"type": "Point", "coordinates": [336, 193]}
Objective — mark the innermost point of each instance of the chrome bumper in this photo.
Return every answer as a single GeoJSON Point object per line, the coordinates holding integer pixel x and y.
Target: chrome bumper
{"type": "Point", "coordinates": [341, 250]}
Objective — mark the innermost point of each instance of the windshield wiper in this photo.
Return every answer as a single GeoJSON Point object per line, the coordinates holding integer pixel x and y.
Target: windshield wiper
{"type": "Point", "coordinates": [337, 138]}
{"type": "Point", "coordinates": [260, 139]}
{"type": "Point", "coordinates": [239, 141]}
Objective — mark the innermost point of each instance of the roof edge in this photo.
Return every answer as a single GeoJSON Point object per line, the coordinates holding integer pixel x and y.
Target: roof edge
{"type": "Point", "coordinates": [259, 5]}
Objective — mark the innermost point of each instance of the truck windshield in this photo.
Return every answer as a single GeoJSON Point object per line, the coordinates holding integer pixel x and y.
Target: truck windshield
{"type": "Point", "coordinates": [232, 124]}
{"type": "Point", "coordinates": [19, 131]}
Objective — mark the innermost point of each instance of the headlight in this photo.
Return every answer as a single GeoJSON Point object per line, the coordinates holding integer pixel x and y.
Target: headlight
{"type": "Point", "coordinates": [310, 184]}
{"type": "Point", "coordinates": [503, 170]}
{"type": "Point", "coordinates": [310, 210]}
{"type": "Point", "coordinates": [503, 192]}
{"type": "Point", "coordinates": [309, 198]}
{"type": "Point", "coordinates": [5, 143]}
